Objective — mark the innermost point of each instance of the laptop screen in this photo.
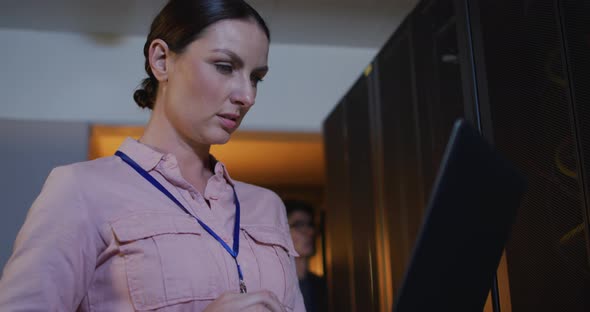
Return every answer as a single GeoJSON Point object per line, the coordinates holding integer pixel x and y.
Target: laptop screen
{"type": "Point", "coordinates": [466, 225]}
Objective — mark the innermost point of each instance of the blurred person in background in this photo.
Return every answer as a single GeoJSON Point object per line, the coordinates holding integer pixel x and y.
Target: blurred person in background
{"type": "Point", "coordinates": [300, 215]}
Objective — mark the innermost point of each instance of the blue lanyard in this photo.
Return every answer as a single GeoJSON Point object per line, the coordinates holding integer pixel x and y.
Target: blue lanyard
{"type": "Point", "coordinates": [236, 248]}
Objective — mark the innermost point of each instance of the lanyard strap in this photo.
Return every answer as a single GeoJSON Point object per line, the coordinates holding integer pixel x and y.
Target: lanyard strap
{"type": "Point", "coordinates": [236, 246]}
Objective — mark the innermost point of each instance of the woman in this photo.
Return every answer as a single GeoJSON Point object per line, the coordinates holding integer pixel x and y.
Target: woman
{"type": "Point", "coordinates": [161, 225]}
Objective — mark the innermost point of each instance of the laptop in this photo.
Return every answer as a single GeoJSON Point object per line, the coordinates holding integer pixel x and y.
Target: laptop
{"type": "Point", "coordinates": [467, 223]}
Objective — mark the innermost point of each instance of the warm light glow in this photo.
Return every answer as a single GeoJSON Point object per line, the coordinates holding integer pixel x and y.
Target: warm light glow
{"type": "Point", "coordinates": [503, 288]}
{"type": "Point", "coordinates": [315, 263]}
{"type": "Point", "coordinates": [263, 158]}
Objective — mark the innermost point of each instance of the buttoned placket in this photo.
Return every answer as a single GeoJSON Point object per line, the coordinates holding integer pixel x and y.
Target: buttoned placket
{"type": "Point", "coordinates": [191, 198]}
{"type": "Point", "coordinates": [196, 204]}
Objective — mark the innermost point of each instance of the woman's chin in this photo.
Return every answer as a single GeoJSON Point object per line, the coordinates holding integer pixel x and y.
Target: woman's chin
{"type": "Point", "coordinates": [219, 137]}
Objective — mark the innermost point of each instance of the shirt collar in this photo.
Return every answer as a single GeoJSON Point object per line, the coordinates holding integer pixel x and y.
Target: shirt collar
{"type": "Point", "coordinates": [220, 169]}
{"type": "Point", "coordinates": [148, 158]}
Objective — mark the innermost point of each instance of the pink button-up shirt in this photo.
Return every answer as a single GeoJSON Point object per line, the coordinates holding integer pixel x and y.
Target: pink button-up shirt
{"type": "Point", "coordinates": [101, 238]}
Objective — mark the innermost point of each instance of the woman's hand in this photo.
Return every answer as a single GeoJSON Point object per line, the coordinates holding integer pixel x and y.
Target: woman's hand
{"type": "Point", "coordinates": [239, 302]}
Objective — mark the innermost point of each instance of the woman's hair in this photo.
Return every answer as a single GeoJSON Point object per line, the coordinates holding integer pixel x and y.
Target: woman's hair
{"type": "Point", "coordinates": [181, 22]}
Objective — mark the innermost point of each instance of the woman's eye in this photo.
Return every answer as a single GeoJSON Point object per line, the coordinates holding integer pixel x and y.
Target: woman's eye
{"type": "Point", "coordinates": [224, 68]}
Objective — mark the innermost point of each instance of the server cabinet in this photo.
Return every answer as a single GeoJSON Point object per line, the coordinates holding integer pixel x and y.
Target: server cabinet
{"type": "Point", "coordinates": [534, 117]}
{"type": "Point", "coordinates": [339, 256]}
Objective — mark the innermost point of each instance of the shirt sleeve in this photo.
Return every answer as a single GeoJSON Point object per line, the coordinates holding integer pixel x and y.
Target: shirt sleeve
{"type": "Point", "coordinates": [55, 251]}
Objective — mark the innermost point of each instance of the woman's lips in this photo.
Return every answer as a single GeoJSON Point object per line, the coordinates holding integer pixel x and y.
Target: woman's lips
{"type": "Point", "coordinates": [228, 121]}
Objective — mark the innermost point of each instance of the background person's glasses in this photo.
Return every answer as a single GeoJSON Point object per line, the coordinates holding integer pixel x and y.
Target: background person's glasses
{"type": "Point", "coordinates": [299, 225]}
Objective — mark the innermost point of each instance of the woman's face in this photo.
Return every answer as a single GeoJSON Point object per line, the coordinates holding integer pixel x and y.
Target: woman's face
{"type": "Point", "coordinates": [212, 84]}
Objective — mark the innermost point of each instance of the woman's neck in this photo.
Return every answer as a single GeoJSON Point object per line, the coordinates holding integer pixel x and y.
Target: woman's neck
{"type": "Point", "coordinates": [193, 159]}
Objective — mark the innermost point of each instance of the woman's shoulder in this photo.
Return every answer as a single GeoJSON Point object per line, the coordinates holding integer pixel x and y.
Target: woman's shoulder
{"type": "Point", "coordinates": [85, 171]}
{"type": "Point", "coordinates": [92, 179]}
{"type": "Point", "coordinates": [74, 190]}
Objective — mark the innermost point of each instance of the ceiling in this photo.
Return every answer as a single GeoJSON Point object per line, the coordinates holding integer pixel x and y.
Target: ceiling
{"type": "Point", "coordinates": [365, 23]}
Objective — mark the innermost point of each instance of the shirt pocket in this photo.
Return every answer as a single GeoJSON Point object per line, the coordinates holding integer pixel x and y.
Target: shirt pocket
{"type": "Point", "coordinates": [168, 260]}
{"type": "Point", "coordinates": [273, 249]}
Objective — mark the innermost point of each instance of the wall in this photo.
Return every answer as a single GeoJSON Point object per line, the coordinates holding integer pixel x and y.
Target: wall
{"type": "Point", "coordinates": [30, 149]}
{"type": "Point", "coordinates": [91, 78]}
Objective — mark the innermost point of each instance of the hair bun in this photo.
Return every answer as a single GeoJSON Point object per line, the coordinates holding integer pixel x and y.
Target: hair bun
{"type": "Point", "coordinates": [140, 97]}
{"type": "Point", "coordinates": [145, 95]}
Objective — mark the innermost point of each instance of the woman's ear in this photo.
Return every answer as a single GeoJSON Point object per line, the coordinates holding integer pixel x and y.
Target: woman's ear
{"type": "Point", "coordinates": [159, 54]}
